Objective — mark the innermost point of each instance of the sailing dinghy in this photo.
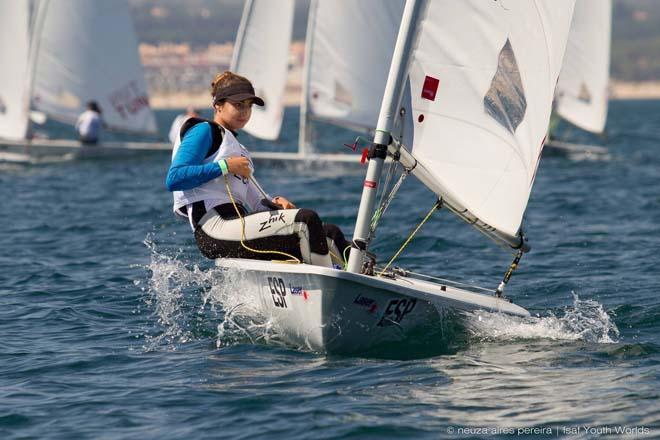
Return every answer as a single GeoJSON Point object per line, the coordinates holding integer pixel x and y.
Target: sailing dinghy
{"type": "Point", "coordinates": [344, 71]}
{"type": "Point", "coordinates": [480, 102]}
{"type": "Point", "coordinates": [59, 54]}
{"type": "Point", "coordinates": [582, 91]}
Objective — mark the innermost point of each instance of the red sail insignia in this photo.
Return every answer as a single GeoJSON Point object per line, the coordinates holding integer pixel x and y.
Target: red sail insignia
{"type": "Point", "coordinates": [430, 88]}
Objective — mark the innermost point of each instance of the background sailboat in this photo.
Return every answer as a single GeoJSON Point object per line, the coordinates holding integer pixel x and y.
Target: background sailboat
{"type": "Point", "coordinates": [346, 63]}
{"type": "Point", "coordinates": [64, 53]}
{"type": "Point", "coordinates": [261, 52]}
{"type": "Point", "coordinates": [481, 102]}
{"type": "Point", "coordinates": [14, 46]}
{"type": "Point", "coordinates": [344, 72]}
{"type": "Point", "coordinates": [582, 90]}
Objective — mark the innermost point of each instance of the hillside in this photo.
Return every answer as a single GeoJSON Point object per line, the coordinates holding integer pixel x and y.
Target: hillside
{"type": "Point", "coordinates": [635, 40]}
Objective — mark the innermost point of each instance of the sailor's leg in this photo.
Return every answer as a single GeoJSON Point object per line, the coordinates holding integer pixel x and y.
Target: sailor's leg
{"type": "Point", "coordinates": [312, 237]}
{"type": "Point", "coordinates": [336, 243]}
{"type": "Point", "coordinates": [297, 232]}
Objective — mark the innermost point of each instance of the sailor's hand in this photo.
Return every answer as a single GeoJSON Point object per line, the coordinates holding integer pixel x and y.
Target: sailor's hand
{"type": "Point", "coordinates": [284, 203]}
{"type": "Point", "coordinates": [239, 165]}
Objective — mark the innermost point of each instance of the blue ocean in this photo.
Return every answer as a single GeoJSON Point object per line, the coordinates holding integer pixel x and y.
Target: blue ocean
{"type": "Point", "coordinates": [115, 327]}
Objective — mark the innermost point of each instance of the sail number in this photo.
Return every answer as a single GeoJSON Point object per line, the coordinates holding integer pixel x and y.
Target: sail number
{"type": "Point", "coordinates": [396, 310]}
{"type": "Point", "coordinates": [277, 291]}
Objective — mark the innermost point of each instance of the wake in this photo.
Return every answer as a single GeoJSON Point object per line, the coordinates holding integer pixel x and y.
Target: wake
{"type": "Point", "coordinates": [585, 320]}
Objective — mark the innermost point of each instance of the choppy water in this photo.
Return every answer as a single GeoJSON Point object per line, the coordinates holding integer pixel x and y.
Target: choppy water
{"type": "Point", "coordinates": [114, 327]}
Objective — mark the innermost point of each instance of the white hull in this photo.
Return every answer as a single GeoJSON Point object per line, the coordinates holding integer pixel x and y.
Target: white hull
{"type": "Point", "coordinates": [554, 146]}
{"type": "Point", "coordinates": [334, 311]}
{"type": "Point", "coordinates": [46, 150]}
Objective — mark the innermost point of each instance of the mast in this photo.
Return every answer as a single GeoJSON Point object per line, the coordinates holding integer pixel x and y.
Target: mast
{"type": "Point", "coordinates": [396, 80]}
{"type": "Point", "coordinates": [305, 130]}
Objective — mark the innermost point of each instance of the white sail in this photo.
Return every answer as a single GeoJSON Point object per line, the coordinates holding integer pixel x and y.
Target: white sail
{"type": "Point", "coordinates": [14, 46]}
{"type": "Point", "coordinates": [582, 88]}
{"type": "Point", "coordinates": [87, 50]}
{"type": "Point", "coordinates": [262, 54]}
{"type": "Point", "coordinates": [349, 58]}
{"type": "Point", "coordinates": [482, 82]}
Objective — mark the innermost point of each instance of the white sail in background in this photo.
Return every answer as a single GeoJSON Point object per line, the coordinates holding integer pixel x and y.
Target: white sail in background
{"type": "Point", "coordinates": [262, 54]}
{"type": "Point", "coordinates": [346, 60]}
{"type": "Point", "coordinates": [482, 82]}
{"type": "Point", "coordinates": [582, 88]}
{"type": "Point", "coordinates": [87, 50]}
{"type": "Point", "coordinates": [14, 46]}
{"type": "Point", "coordinates": [349, 58]}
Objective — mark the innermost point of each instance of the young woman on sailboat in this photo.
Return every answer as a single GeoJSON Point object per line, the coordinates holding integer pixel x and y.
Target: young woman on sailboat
{"type": "Point", "coordinates": [231, 216]}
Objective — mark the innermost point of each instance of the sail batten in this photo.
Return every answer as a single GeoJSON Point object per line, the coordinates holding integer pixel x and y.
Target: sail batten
{"type": "Point", "coordinates": [481, 102]}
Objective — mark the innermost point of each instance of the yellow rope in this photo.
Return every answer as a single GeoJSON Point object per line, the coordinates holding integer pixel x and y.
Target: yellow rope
{"type": "Point", "coordinates": [344, 255]}
{"type": "Point", "coordinates": [337, 257]}
{"type": "Point", "coordinates": [291, 259]}
{"type": "Point", "coordinates": [410, 237]}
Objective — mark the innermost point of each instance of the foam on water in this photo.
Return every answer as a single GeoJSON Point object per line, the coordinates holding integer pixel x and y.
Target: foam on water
{"type": "Point", "coordinates": [181, 295]}
{"type": "Point", "coordinates": [166, 294]}
{"type": "Point", "coordinates": [585, 320]}
{"type": "Point", "coordinates": [244, 315]}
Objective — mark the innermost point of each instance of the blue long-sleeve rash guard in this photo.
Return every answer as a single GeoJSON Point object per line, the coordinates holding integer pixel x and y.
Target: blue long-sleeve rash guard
{"type": "Point", "coordinates": [188, 170]}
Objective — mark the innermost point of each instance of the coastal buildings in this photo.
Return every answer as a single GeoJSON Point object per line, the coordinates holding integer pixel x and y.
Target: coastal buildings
{"type": "Point", "coordinates": [179, 75]}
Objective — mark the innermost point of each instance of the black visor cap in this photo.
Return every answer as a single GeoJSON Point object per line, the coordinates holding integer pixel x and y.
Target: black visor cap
{"type": "Point", "coordinates": [237, 93]}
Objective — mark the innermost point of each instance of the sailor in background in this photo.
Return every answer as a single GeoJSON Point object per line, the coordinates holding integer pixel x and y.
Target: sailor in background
{"type": "Point", "coordinates": [211, 180]}
{"type": "Point", "coordinates": [175, 129]}
{"type": "Point", "coordinates": [89, 124]}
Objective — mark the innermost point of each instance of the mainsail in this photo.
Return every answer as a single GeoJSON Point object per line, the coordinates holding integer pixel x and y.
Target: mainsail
{"type": "Point", "coordinates": [482, 82]}
{"type": "Point", "coordinates": [482, 78]}
{"type": "Point", "coordinates": [14, 44]}
{"type": "Point", "coordinates": [262, 54]}
{"type": "Point", "coordinates": [581, 96]}
{"type": "Point", "coordinates": [85, 50]}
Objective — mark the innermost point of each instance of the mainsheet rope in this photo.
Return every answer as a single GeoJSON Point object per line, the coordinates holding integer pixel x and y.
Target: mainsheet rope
{"type": "Point", "coordinates": [436, 206]}
{"type": "Point", "coordinates": [292, 259]}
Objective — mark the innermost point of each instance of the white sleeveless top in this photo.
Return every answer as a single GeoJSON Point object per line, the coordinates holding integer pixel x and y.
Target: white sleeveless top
{"type": "Point", "coordinates": [214, 192]}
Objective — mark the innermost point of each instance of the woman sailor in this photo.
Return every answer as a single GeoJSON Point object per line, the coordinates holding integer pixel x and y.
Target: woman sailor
{"type": "Point", "coordinates": [211, 180]}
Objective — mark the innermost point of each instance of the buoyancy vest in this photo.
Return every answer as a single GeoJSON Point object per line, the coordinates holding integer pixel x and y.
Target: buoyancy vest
{"type": "Point", "coordinates": [224, 145]}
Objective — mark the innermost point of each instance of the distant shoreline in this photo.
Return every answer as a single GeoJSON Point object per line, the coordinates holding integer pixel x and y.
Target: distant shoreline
{"type": "Point", "coordinates": [619, 90]}
{"type": "Point", "coordinates": [180, 100]}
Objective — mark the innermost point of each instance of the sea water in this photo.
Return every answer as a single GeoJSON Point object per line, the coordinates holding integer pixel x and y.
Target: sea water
{"type": "Point", "coordinates": [114, 326]}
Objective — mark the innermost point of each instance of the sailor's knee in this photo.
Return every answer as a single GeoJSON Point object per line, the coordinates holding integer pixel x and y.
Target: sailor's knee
{"type": "Point", "coordinates": [332, 230]}
{"type": "Point", "coordinates": [308, 216]}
